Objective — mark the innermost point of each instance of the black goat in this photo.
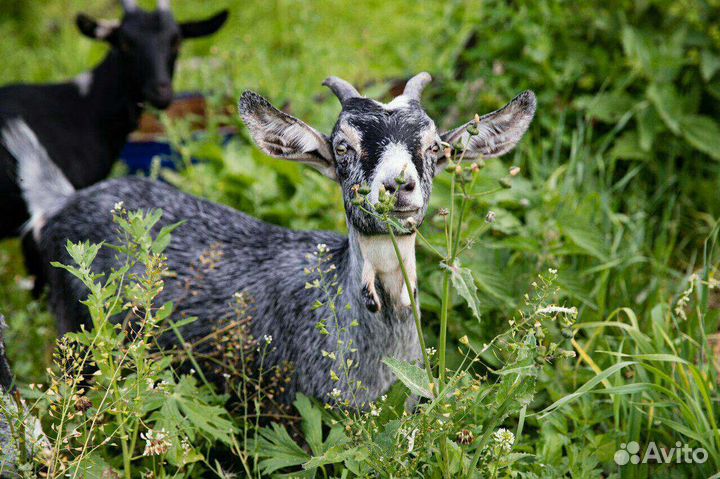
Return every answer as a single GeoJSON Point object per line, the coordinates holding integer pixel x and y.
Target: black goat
{"type": "Point", "coordinates": [83, 124]}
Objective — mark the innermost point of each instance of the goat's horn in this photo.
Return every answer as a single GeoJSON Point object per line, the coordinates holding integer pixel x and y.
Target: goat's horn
{"type": "Point", "coordinates": [163, 5]}
{"type": "Point", "coordinates": [342, 89]}
{"type": "Point", "coordinates": [416, 85]}
{"type": "Point", "coordinates": [129, 5]}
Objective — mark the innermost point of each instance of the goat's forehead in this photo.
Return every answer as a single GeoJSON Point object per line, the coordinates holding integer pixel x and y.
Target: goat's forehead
{"type": "Point", "coordinates": [368, 121]}
{"type": "Point", "coordinates": [142, 22]}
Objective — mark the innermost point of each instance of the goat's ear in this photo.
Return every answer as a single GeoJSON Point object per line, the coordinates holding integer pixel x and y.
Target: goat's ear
{"type": "Point", "coordinates": [203, 28]}
{"type": "Point", "coordinates": [498, 132]}
{"type": "Point", "coordinates": [97, 29]}
{"type": "Point", "coordinates": [283, 136]}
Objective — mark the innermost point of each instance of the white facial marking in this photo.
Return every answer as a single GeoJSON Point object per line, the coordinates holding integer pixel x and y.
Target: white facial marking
{"type": "Point", "coordinates": [395, 160]}
{"type": "Point", "coordinates": [84, 82]}
{"type": "Point", "coordinates": [352, 135]}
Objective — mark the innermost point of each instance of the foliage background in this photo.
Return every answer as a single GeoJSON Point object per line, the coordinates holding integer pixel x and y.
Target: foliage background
{"type": "Point", "coordinates": [620, 168]}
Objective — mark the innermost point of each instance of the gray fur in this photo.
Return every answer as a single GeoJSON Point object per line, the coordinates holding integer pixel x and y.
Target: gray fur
{"type": "Point", "coordinates": [262, 260]}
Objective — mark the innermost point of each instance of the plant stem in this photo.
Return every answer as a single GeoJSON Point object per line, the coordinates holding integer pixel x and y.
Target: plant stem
{"type": "Point", "coordinates": [413, 304]}
{"type": "Point", "coordinates": [445, 301]}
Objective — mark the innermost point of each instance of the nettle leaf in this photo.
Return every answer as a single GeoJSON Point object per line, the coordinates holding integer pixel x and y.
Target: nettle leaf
{"type": "Point", "coordinates": [668, 104]}
{"type": "Point", "coordinates": [411, 376]}
{"type": "Point", "coordinates": [703, 133]}
{"type": "Point", "coordinates": [464, 283]}
{"type": "Point", "coordinates": [649, 125]}
{"type": "Point", "coordinates": [607, 107]}
{"type": "Point", "coordinates": [709, 64]}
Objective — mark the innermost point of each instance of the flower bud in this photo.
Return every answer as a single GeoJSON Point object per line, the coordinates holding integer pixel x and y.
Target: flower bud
{"type": "Point", "coordinates": [443, 212]}
{"type": "Point", "coordinates": [490, 217]}
{"type": "Point", "coordinates": [458, 146]}
{"type": "Point", "coordinates": [450, 167]}
{"type": "Point", "coordinates": [364, 189]}
{"type": "Point", "coordinates": [458, 169]}
{"type": "Point", "coordinates": [514, 171]}
{"type": "Point", "coordinates": [472, 130]}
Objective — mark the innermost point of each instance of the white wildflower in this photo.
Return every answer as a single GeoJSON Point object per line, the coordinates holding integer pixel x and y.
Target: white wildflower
{"type": "Point", "coordinates": [267, 338]}
{"type": "Point", "coordinates": [504, 439]}
{"type": "Point", "coordinates": [156, 442]}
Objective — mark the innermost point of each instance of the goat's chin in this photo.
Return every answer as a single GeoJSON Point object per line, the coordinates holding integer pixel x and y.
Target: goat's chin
{"type": "Point", "coordinates": [159, 103]}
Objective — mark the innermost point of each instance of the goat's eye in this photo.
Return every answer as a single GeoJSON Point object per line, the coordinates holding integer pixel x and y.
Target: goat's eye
{"type": "Point", "coordinates": [341, 149]}
{"type": "Point", "coordinates": [434, 148]}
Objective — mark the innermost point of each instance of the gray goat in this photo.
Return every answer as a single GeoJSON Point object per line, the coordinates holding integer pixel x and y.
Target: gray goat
{"type": "Point", "coordinates": [371, 143]}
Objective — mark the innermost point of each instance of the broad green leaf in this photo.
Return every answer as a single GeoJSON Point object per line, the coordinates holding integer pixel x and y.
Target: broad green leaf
{"type": "Point", "coordinates": [163, 238]}
{"type": "Point", "coordinates": [464, 283]}
{"type": "Point", "coordinates": [668, 105]}
{"type": "Point", "coordinates": [607, 107]}
{"type": "Point", "coordinates": [637, 48]}
{"type": "Point", "coordinates": [278, 450]}
{"type": "Point", "coordinates": [628, 147]}
{"type": "Point", "coordinates": [411, 376]}
{"type": "Point", "coordinates": [334, 455]}
{"type": "Point", "coordinates": [587, 237]}
{"type": "Point", "coordinates": [311, 423]}
{"type": "Point", "coordinates": [394, 406]}
{"type": "Point", "coordinates": [649, 125]}
{"type": "Point", "coordinates": [703, 133]}
{"type": "Point", "coordinates": [709, 64]}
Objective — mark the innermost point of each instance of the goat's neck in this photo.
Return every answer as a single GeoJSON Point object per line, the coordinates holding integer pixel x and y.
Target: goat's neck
{"type": "Point", "coordinates": [111, 97]}
{"type": "Point", "coordinates": [375, 256]}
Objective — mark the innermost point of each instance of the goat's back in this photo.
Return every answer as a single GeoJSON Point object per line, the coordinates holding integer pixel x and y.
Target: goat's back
{"type": "Point", "coordinates": [216, 253]}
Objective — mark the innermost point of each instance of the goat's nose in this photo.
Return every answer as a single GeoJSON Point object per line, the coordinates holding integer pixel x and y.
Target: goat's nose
{"type": "Point", "coordinates": [409, 185]}
{"type": "Point", "coordinates": [391, 186]}
{"type": "Point", "coordinates": [164, 89]}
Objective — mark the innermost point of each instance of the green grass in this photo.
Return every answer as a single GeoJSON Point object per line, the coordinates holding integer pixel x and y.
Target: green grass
{"type": "Point", "coordinates": [618, 189]}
